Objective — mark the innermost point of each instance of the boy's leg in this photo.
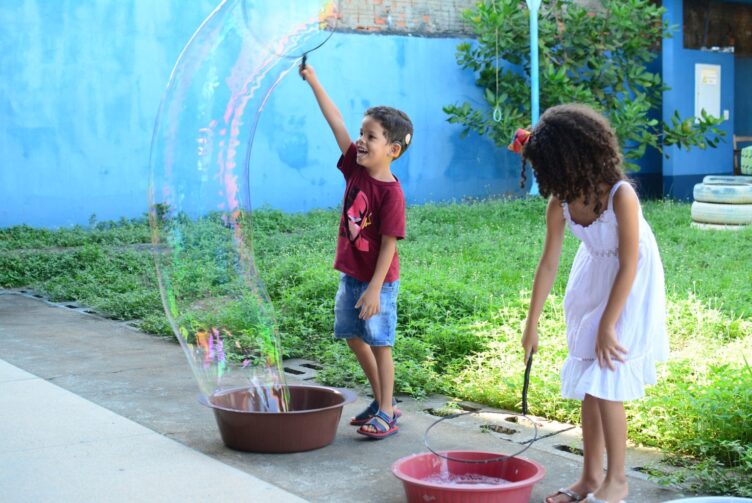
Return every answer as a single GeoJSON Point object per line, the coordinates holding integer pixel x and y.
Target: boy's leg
{"type": "Point", "coordinates": [385, 365]}
{"type": "Point", "coordinates": [593, 447]}
{"type": "Point", "coordinates": [380, 331]}
{"type": "Point", "coordinates": [348, 326]}
{"type": "Point", "coordinates": [367, 362]}
{"type": "Point", "coordinates": [614, 421]}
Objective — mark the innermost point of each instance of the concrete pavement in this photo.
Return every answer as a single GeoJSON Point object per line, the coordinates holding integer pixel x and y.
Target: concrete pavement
{"type": "Point", "coordinates": [58, 446]}
{"type": "Point", "coordinates": [93, 410]}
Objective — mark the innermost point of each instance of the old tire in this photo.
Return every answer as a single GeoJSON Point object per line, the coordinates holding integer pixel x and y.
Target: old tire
{"type": "Point", "coordinates": [734, 180]}
{"type": "Point", "coordinates": [718, 227]}
{"type": "Point", "coordinates": [724, 193]}
{"type": "Point", "coordinates": [731, 214]}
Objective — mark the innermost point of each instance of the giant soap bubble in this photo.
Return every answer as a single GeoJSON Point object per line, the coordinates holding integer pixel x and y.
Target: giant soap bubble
{"type": "Point", "coordinates": [200, 196]}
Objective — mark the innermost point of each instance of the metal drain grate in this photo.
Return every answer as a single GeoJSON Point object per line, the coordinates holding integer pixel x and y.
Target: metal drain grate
{"type": "Point", "coordinates": [301, 370]}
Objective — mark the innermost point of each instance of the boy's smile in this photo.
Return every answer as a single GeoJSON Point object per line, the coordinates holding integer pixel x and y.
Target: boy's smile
{"type": "Point", "coordinates": [373, 149]}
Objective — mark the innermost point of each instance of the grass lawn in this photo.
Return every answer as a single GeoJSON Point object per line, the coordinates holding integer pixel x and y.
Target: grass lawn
{"type": "Point", "coordinates": [467, 271]}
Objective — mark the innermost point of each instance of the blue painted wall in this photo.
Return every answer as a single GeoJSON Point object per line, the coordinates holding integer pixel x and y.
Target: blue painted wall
{"type": "Point", "coordinates": [683, 169]}
{"type": "Point", "coordinates": [417, 75]}
{"type": "Point", "coordinates": [81, 82]}
{"type": "Point", "coordinates": [649, 179]}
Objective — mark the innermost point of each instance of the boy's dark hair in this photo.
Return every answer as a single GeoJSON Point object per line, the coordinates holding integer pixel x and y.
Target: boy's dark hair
{"type": "Point", "coordinates": [574, 152]}
{"type": "Point", "coordinates": [398, 128]}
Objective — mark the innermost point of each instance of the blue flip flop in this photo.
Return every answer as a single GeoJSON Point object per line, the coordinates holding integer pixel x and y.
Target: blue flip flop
{"type": "Point", "coordinates": [370, 411]}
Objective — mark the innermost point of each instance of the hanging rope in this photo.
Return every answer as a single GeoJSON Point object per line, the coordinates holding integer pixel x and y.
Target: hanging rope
{"type": "Point", "coordinates": [497, 108]}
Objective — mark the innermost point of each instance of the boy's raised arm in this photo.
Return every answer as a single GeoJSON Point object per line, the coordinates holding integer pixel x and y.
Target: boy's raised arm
{"type": "Point", "coordinates": [328, 108]}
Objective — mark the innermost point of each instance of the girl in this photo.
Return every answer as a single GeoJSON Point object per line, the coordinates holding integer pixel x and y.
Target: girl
{"type": "Point", "coordinates": [615, 301]}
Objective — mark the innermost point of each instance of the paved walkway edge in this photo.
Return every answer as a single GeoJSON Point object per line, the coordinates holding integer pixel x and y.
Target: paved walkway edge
{"type": "Point", "coordinates": [57, 446]}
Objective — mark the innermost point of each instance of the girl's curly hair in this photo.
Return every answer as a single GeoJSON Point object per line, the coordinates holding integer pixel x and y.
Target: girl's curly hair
{"type": "Point", "coordinates": [574, 152]}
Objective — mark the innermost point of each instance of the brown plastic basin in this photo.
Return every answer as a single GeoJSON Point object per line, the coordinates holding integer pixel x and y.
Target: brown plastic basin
{"type": "Point", "coordinates": [310, 423]}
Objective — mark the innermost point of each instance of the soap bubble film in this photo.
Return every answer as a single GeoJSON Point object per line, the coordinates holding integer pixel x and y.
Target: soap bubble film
{"type": "Point", "coordinates": [200, 195]}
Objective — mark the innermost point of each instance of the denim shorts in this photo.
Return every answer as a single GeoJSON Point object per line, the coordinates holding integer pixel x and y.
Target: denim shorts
{"type": "Point", "coordinates": [379, 329]}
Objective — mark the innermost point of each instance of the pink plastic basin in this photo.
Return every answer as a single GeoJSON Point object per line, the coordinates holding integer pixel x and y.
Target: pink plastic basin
{"type": "Point", "coordinates": [520, 473]}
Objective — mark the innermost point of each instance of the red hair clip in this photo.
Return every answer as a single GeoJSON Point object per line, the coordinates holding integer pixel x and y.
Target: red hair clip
{"type": "Point", "coordinates": [521, 136]}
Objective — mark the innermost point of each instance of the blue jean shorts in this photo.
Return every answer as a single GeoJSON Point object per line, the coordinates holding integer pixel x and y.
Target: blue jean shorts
{"type": "Point", "coordinates": [379, 329]}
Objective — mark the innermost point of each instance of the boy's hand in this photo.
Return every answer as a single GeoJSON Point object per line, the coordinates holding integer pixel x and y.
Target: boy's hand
{"type": "Point", "coordinates": [306, 72]}
{"type": "Point", "coordinates": [369, 303]}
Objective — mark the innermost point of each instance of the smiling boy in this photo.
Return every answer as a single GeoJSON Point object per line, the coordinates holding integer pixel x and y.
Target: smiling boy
{"type": "Point", "coordinates": [373, 219]}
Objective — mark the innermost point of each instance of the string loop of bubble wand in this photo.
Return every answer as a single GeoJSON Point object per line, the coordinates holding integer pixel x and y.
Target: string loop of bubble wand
{"type": "Point", "coordinates": [305, 54]}
{"type": "Point", "coordinates": [304, 59]}
{"type": "Point", "coordinates": [528, 443]}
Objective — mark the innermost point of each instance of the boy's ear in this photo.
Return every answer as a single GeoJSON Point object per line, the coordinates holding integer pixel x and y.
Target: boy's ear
{"type": "Point", "coordinates": [396, 149]}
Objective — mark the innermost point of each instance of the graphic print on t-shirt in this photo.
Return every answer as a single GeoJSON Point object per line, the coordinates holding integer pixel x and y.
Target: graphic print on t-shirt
{"type": "Point", "coordinates": [357, 216]}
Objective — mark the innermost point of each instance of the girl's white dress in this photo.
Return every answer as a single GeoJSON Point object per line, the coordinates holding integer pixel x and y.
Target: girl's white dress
{"type": "Point", "coordinates": [641, 328]}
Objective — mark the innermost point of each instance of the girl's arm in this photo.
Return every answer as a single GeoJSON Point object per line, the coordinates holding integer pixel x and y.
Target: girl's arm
{"type": "Point", "coordinates": [626, 207]}
{"type": "Point", "coordinates": [328, 108]}
{"type": "Point", "coordinates": [545, 274]}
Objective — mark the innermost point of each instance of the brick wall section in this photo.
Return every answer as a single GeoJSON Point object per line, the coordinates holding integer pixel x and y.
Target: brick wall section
{"type": "Point", "coordinates": [425, 18]}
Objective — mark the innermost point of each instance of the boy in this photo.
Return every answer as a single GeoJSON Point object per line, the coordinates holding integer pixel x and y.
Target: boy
{"type": "Point", "coordinates": [373, 219]}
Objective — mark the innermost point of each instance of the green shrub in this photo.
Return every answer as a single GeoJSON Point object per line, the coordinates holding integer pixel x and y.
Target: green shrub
{"type": "Point", "coordinates": [707, 416]}
{"type": "Point", "coordinates": [601, 57]}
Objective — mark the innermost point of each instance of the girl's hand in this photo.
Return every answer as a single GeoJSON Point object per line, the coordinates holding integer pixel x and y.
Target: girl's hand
{"type": "Point", "coordinates": [530, 341]}
{"type": "Point", "coordinates": [369, 303]}
{"type": "Point", "coordinates": [607, 347]}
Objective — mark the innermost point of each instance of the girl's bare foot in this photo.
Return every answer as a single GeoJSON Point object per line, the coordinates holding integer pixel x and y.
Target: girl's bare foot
{"type": "Point", "coordinates": [564, 495]}
{"type": "Point", "coordinates": [575, 492]}
{"type": "Point", "coordinates": [612, 491]}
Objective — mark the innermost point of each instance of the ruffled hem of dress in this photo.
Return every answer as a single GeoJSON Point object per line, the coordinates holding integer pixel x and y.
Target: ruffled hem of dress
{"type": "Point", "coordinates": [580, 377]}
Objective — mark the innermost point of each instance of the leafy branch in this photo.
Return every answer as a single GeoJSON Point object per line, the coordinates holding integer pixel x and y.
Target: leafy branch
{"type": "Point", "coordinates": [600, 58]}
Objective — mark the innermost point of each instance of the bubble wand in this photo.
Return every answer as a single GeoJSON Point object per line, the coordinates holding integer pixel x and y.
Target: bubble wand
{"type": "Point", "coordinates": [332, 12]}
{"type": "Point", "coordinates": [525, 386]}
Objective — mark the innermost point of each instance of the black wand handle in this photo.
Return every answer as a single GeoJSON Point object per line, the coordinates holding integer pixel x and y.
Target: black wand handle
{"type": "Point", "coordinates": [526, 383]}
{"type": "Point", "coordinates": [302, 64]}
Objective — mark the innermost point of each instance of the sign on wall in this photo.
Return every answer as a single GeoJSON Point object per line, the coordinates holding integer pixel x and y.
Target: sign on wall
{"type": "Point", "coordinates": [708, 89]}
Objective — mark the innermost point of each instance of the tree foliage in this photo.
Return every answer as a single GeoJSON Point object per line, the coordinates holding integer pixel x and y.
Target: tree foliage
{"type": "Point", "coordinates": [599, 57]}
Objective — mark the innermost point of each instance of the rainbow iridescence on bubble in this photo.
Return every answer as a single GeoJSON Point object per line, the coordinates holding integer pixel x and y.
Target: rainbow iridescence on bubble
{"type": "Point", "coordinates": [200, 193]}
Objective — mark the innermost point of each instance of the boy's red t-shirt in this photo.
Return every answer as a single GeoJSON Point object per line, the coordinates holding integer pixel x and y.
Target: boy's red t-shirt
{"type": "Point", "coordinates": [370, 209]}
